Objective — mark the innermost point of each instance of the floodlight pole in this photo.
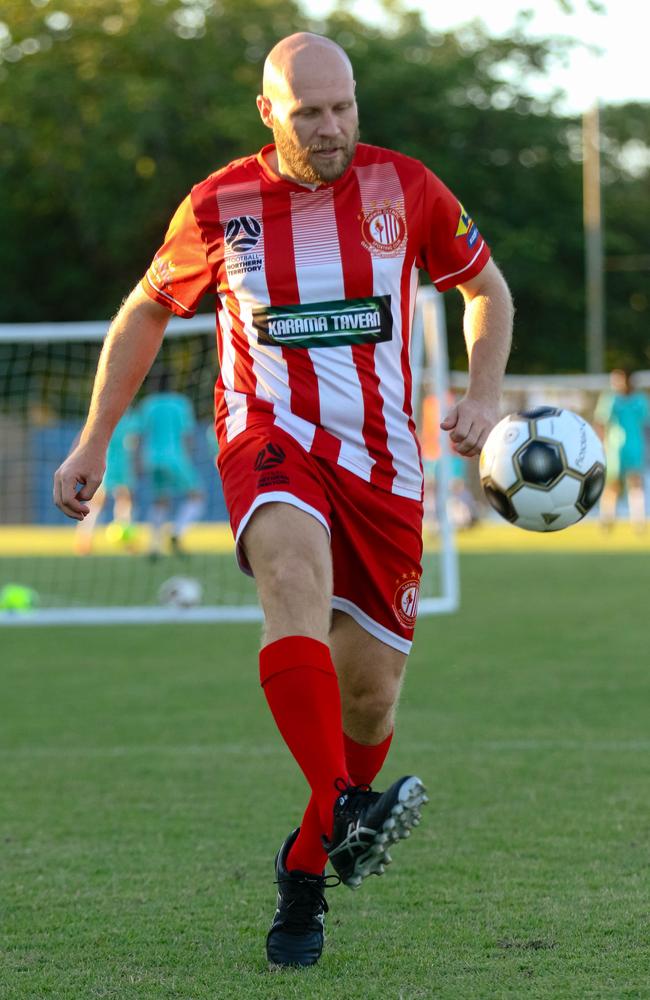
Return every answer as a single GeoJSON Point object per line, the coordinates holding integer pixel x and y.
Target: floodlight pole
{"type": "Point", "coordinates": [593, 229]}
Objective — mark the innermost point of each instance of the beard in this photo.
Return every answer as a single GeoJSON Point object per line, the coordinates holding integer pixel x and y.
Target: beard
{"type": "Point", "coordinates": [303, 162]}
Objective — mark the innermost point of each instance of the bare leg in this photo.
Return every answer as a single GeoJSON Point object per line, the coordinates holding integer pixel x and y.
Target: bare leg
{"type": "Point", "coordinates": [370, 677]}
{"type": "Point", "coordinates": [608, 503]}
{"type": "Point", "coordinates": [636, 500]}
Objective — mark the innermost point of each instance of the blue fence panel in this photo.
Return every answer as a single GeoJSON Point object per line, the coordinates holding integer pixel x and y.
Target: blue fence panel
{"type": "Point", "coordinates": [48, 446]}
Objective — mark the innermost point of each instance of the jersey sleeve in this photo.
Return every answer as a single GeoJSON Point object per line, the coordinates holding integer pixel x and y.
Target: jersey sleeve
{"type": "Point", "coordinates": [452, 250]}
{"type": "Point", "coordinates": [179, 275]}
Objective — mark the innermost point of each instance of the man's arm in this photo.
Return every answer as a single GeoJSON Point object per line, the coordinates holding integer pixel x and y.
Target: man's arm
{"type": "Point", "coordinates": [488, 334]}
{"type": "Point", "coordinates": [132, 343]}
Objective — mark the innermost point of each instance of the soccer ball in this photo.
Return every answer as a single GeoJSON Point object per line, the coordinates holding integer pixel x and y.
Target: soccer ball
{"type": "Point", "coordinates": [17, 598]}
{"type": "Point", "coordinates": [180, 592]}
{"type": "Point", "coordinates": [542, 469]}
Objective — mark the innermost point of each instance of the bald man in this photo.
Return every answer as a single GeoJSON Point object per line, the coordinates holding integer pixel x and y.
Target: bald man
{"type": "Point", "coordinates": [312, 248]}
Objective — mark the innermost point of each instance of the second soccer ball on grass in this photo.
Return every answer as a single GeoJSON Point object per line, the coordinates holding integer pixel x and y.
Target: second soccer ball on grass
{"type": "Point", "coordinates": [543, 469]}
{"type": "Point", "coordinates": [180, 592]}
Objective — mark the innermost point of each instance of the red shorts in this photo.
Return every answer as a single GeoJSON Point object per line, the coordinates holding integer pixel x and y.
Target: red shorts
{"type": "Point", "coordinates": [375, 536]}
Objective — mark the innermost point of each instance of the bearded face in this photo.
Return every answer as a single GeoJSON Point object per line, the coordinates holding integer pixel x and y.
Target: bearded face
{"type": "Point", "coordinates": [320, 160]}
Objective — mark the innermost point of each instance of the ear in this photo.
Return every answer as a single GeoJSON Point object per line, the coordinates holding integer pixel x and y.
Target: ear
{"type": "Point", "coordinates": [265, 109]}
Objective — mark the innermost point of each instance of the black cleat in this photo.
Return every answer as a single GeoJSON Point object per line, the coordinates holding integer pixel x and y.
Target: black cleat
{"type": "Point", "coordinates": [297, 933]}
{"type": "Point", "coordinates": [366, 823]}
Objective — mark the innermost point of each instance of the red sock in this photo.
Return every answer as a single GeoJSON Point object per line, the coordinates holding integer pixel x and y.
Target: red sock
{"type": "Point", "coordinates": [302, 690]}
{"type": "Point", "coordinates": [364, 763]}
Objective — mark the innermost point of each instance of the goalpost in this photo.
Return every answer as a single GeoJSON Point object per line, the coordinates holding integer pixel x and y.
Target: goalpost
{"type": "Point", "coordinates": [46, 373]}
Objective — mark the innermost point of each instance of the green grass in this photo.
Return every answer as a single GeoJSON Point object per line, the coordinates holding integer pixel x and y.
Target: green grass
{"type": "Point", "coordinates": [145, 792]}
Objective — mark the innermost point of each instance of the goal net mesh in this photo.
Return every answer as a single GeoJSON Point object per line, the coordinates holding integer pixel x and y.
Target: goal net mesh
{"type": "Point", "coordinates": [54, 570]}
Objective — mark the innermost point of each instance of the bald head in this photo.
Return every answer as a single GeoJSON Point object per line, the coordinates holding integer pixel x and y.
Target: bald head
{"type": "Point", "coordinates": [303, 58]}
{"type": "Point", "coordinates": [308, 101]}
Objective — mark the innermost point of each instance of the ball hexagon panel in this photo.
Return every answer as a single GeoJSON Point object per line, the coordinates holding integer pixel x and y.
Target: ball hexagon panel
{"type": "Point", "coordinates": [548, 510]}
{"type": "Point", "coordinates": [539, 411]}
{"type": "Point", "coordinates": [555, 522]}
{"type": "Point", "coordinates": [591, 488]}
{"type": "Point", "coordinates": [540, 463]}
{"type": "Point", "coordinates": [499, 500]}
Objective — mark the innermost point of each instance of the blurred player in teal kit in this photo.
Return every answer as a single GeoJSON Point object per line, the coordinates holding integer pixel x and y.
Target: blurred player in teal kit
{"type": "Point", "coordinates": [119, 484]}
{"type": "Point", "coordinates": [622, 416]}
{"type": "Point", "coordinates": [167, 425]}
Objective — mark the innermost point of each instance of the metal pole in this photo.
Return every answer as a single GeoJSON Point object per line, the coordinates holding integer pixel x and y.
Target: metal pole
{"type": "Point", "coordinates": [594, 264]}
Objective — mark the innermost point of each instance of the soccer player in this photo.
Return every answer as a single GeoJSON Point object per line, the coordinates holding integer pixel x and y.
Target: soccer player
{"type": "Point", "coordinates": [622, 416]}
{"type": "Point", "coordinates": [167, 426]}
{"type": "Point", "coordinates": [312, 248]}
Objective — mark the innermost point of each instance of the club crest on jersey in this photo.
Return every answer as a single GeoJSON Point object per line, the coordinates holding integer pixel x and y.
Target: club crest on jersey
{"type": "Point", "coordinates": [405, 601]}
{"type": "Point", "coordinates": [467, 228]}
{"type": "Point", "coordinates": [162, 271]}
{"type": "Point", "coordinates": [242, 234]}
{"type": "Point", "coordinates": [383, 229]}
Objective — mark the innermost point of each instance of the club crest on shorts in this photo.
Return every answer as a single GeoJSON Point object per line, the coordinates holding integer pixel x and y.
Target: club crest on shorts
{"type": "Point", "coordinates": [383, 229]}
{"type": "Point", "coordinates": [405, 601]}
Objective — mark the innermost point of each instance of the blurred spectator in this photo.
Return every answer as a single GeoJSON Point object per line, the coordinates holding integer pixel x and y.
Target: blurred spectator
{"type": "Point", "coordinates": [461, 504]}
{"type": "Point", "coordinates": [621, 416]}
{"type": "Point", "coordinates": [167, 426]}
{"type": "Point", "coordinates": [118, 484]}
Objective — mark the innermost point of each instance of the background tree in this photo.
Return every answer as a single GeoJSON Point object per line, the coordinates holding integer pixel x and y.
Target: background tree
{"type": "Point", "coordinates": [111, 109]}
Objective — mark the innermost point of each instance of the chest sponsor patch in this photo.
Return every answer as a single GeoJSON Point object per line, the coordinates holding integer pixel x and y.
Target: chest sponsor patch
{"type": "Point", "coordinates": [326, 324]}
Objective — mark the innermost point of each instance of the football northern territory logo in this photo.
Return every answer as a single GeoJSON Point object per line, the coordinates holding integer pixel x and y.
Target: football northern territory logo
{"type": "Point", "coordinates": [269, 457]}
{"type": "Point", "coordinates": [243, 233]}
{"type": "Point", "coordinates": [242, 239]}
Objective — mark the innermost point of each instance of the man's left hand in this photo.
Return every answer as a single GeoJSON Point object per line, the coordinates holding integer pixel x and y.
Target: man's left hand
{"type": "Point", "coordinates": [469, 421]}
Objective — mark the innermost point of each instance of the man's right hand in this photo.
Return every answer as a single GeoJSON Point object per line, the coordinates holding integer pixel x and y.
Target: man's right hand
{"type": "Point", "coordinates": [85, 467]}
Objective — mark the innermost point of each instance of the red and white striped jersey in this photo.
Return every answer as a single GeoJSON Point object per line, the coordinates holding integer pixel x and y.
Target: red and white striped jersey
{"type": "Point", "coordinates": [315, 293]}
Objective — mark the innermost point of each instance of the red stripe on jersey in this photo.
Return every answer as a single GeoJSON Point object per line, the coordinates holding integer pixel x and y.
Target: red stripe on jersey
{"type": "Point", "coordinates": [244, 376]}
{"type": "Point", "coordinates": [282, 283]}
{"type": "Point", "coordinates": [359, 283]}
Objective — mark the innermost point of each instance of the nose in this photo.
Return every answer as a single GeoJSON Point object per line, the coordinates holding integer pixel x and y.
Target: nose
{"type": "Point", "coordinates": [328, 125]}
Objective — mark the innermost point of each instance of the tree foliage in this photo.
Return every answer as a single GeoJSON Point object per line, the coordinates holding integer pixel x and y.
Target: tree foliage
{"type": "Point", "coordinates": [111, 109]}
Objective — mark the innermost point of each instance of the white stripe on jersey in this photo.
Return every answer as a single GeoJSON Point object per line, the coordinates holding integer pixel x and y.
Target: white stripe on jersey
{"type": "Point", "coordinates": [453, 274]}
{"type": "Point", "coordinates": [379, 182]}
{"type": "Point", "coordinates": [235, 404]}
{"type": "Point", "coordinates": [319, 272]}
{"type": "Point", "coordinates": [167, 296]}
{"type": "Point", "coordinates": [250, 288]}
{"type": "Point", "coordinates": [237, 410]}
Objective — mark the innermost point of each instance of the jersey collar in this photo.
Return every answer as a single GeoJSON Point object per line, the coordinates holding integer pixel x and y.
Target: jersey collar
{"type": "Point", "coordinates": [274, 178]}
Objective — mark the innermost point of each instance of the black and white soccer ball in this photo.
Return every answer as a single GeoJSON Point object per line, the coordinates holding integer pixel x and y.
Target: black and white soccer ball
{"type": "Point", "coordinates": [542, 469]}
{"type": "Point", "coordinates": [180, 592]}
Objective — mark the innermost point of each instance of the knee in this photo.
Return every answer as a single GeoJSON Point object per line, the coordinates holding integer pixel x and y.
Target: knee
{"type": "Point", "coordinates": [294, 577]}
{"type": "Point", "coordinates": [369, 710]}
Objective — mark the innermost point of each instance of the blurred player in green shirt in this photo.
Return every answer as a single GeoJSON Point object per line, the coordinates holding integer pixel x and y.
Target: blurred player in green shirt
{"type": "Point", "coordinates": [167, 426]}
{"type": "Point", "coordinates": [622, 415]}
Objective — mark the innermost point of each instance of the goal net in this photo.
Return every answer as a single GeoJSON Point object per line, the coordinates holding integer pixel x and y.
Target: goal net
{"type": "Point", "coordinates": [124, 562]}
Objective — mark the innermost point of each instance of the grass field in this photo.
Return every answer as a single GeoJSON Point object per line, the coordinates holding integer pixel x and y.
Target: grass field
{"type": "Point", "coordinates": [145, 792]}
